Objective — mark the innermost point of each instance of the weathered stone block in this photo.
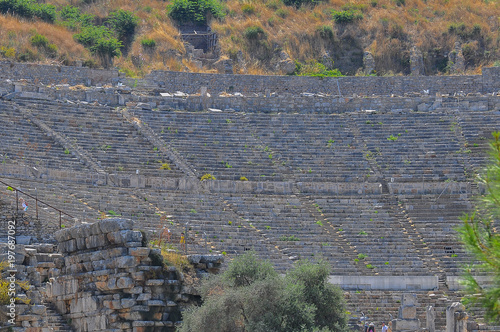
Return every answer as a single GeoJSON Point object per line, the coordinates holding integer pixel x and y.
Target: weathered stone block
{"type": "Point", "coordinates": [128, 303]}
{"type": "Point", "coordinates": [144, 297]}
{"type": "Point", "coordinates": [139, 252]}
{"type": "Point", "coordinates": [115, 224]}
{"type": "Point", "coordinates": [155, 282]}
{"type": "Point", "coordinates": [125, 283]}
{"type": "Point", "coordinates": [408, 312]}
{"type": "Point", "coordinates": [96, 241]}
{"type": "Point", "coordinates": [405, 325]}
{"type": "Point", "coordinates": [125, 262]}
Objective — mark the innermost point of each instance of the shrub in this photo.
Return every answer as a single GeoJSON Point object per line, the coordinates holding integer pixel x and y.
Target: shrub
{"type": "Point", "coordinates": [346, 16]}
{"type": "Point", "coordinates": [73, 19]}
{"type": "Point", "coordinates": [39, 41]}
{"type": "Point", "coordinates": [325, 31]}
{"type": "Point", "coordinates": [29, 9]}
{"type": "Point", "coordinates": [90, 35]}
{"type": "Point", "coordinates": [8, 52]}
{"type": "Point", "coordinates": [316, 69]}
{"type": "Point", "coordinates": [166, 167]}
{"type": "Point", "coordinates": [27, 55]}
{"type": "Point", "coordinates": [273, 4]}
{"type": "Point", "coordinates": [123, 22]}
{"type": "Point", "coordinates": [195, 11]}
{"type": "Point", "coordinates": [148, 43]}
{"type": "Point", "coordinates": [281, 12]}
{"type": "Point", "coordinates": [254, 32]}
{"type": "Point", "coordinates": [247, 9]}
{"type": "Point", "coordinates": [207, 177]}
{"type": "Point", "coordinates": [299, 3]}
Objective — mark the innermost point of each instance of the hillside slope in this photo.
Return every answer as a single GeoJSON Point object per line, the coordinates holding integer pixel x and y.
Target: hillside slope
{"type": "Point", "coordinates": [447, 36]}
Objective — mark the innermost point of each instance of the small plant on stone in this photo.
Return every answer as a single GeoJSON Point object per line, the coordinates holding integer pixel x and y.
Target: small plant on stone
{"type": "Point", "coordinates": [165, 166]}
{"type": "Point", "coordinates": [319, 223]}
{"type": "Point", "coordinates": [392, 138]}
{"type": "Point", "coordinates": [193, 211]}
{"type": "Point", "coordinates": [243, 178]}
{"type": "Point", "coordinates": [369, 266]}
{"type": "Point", "coordinates": [289, 238]}
{"type": "Point", "coordinates": [229, 223]}
{"type": "Point", "coordinates": [66, 151]}
{"type": "Point", "coordinates": [362, 256]}
{"type": "Point", "coordinates": [207, 176]}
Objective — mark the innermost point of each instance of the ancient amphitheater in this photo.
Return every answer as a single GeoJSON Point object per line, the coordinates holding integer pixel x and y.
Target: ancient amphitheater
{"type": "Point", "coordinates": [368, 173]}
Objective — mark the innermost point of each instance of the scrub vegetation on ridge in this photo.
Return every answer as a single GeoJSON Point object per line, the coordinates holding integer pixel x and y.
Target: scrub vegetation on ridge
{"type": "Point", "coordinates": [140, 36]}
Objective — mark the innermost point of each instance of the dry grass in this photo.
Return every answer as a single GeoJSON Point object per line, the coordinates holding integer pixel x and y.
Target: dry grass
{"type": "Point", "coordinates": [15, 33]}
{"type": "Point", "coordinates": [387, 29]}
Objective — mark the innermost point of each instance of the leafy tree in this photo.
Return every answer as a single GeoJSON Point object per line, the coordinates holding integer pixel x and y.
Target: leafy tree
{"type": "Point", "coordinates": [251, 296]}
{"type": "Point", "coordinates": [481, 238]}
{"type": "Point", "coordinates": [72, 18]}
{"type": "Point", "coordinates": [195, 11]}
{"type": "Point", "coordinates": [123, 22]}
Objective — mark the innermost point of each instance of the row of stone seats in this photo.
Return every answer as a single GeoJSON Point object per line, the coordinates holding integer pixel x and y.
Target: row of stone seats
{"type": "Point", "coordinates": [288, 224]}
{"type": "Point", "coordinates": [436, 221]}
{"type": "Point", "coordinates": [153, 210]}
{"type": "Point", "coordinates": [228, 145]}
{"type": "Point", "coordinates": [316, 147]}
{"type": "Point", "coordinates": [414, 146]}
{"type": "Point", "coordinates": [477, 128]}
{"type": "Point", "coordinates": [261, 221]}
{"type": "Point", "coordinates": [105, 136]}
{"type": "Point", "coordinates": [25, 144]}
{"type": "Point", "coordinates": [371, 225]}
{"type": "Point", "coordinates": [215, 143]}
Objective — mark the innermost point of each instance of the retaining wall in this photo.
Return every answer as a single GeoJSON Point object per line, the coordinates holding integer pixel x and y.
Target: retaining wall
{"type": "Point", "coordinates": [48, 74]}
{"type": "Point", "coordinates": [342, 86]}
{"type": "Point", "coordinates": [216, 83]}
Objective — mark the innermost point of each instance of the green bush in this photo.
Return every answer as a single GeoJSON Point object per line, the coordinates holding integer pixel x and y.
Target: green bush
{"type": "Point", "coordinates": [346, 16]}
{"type": "Point", "coordinates": [281, 12]}
{"type": "Point", "coordinates": [325, 31]}
{"type": "Point", "coordinates": [39, 41]}
{"type": "Point", "coordinates": [315, 69]}
{"type": "Point", "coordinates": [195, 11]}
{"type": "Point", "coordinates": [123, 22]}
{"type": "Point", "coordinates": [247, 9]}
{"type": "Point", "coordinates": [90, 35]}
{"type": "Point", "coordinates": [148, 43]}
{"type": "Point", "coordinates": [298, 3]}
{"type": "Point", "coordinates": [107, 48]}
{"type": "Point", "coordinates": [29, 9]}
{"type": "Point", "coordinates": [254, 32]}
{"type": "Point", "coordinates": [73, 19]}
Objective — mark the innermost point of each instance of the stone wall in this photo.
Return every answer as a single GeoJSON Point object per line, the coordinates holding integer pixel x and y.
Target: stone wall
{"type": "Point", "coordinates": [343, 86]}
{"type": "Point", "coordinates": [286, 102]}
{"type": "Point", "coordinates": [109, 280]}
{"type": "Point", "coordinates": [191, 83]}
{"type": "Point", "coordinates": [47, 74]}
